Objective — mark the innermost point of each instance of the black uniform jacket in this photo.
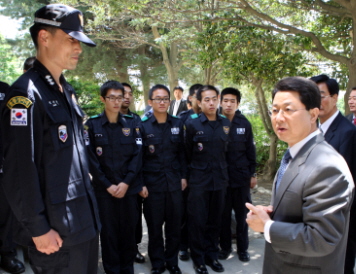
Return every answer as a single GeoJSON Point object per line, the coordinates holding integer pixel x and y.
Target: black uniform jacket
{"type": "Point", "coordinates": [115, 152]}
{"type": "Point", "coordinates": [185, 115]}
{"type": "Point", "coordinates": [206, 145]}
{"type": "Point", "coordinates": [241, 152]}
{"type": "Point", "coordinates": [164, 160]}
{"type": "Point", "coordinates": [46, 176]}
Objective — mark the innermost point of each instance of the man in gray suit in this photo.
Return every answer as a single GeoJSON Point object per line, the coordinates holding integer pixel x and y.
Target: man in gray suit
{"type": "Point", "coordinates": [306, 225]}
{"type": "Point", "coordinates": [352, 106]}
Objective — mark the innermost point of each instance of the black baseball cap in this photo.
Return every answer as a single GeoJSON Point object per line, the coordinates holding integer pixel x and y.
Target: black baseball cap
{"type": "Point", "coordinates": [68, 19]}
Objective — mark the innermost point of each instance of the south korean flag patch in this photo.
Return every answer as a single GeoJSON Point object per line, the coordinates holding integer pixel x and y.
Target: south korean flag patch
{"type": "Point", "coordinates": [18, 117]}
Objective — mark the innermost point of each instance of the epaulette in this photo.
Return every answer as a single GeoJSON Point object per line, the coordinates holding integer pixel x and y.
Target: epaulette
{"type": "Point", "coordinates": [145, 118]}
{"type": "Point", "coordinates": [175, 116]}
{"type": "Point", "coordinates": [223, 116]}
{"type": "Point", "coordinates": [194, 116]}
{"type": "Point", "coordinates": [128, 115]}
{"type": "Point", "coordinates": [95, 116]}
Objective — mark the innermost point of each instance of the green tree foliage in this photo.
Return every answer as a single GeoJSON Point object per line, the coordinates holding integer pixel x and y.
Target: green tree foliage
{"type": "Point", "coordinates": [9, 64]}
{"type": "Point", "coordinates": [88, 94]}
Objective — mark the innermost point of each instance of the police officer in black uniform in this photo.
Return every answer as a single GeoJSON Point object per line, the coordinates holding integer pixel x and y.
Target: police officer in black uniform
{"type": "Point", "coordinates": [193, 99]}
{"type": "Point", "coordinates": [206, 143]}
{"type": "Point", "coordinates": [241, 158]}
{"type": "Point", "coordinates": [46, 177]}
{"type": "Point", "coordinates": [125, 109]}
{"type": "Point", "coordinates": [115, 160]}
{"type": "Point", "coordinates": [184, 243]}
{"type": "Point", "coordinates": [164, 177]}
{"type": "Point", "coordinates": [9, 262]}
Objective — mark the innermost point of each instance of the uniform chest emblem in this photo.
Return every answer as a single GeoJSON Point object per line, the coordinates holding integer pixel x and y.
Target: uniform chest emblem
{"type": "Point", "coordinates": [151, 148]}
{"type": "Point", "coordinates": [99, 151]}
{"type": "Point", "coordinates": [240, 130]}
{"type": "Point", "coordinates": [226, 130]}
{"type": "Point", "coordinates": [175, 130]}
{"type": "Point", "coordinates": [200, 146]}
{"type": "Point", "coordinates": [126, 131]}
{"type": "Point", "coordinates": [137, 130]}
{"type": "Point", "coordinates": [62, 133]}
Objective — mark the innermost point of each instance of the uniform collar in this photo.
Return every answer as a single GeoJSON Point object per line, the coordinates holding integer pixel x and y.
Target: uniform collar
{"type": "Point", "coordinates": [203, 117]}
{"type": "Point", "coordinates": [47, 76]}
{"type": "Point", "coordinates": [154, 120]}
{"type": "Point", "coordinates": [105, 120]}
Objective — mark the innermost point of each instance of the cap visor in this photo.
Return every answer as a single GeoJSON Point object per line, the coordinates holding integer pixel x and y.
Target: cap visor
{"type": "Point", "coordinates": [80, 36]}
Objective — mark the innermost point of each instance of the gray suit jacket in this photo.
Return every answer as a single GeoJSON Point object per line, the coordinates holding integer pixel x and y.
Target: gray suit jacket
{"type": "Point", "coordinates": [311, 213]}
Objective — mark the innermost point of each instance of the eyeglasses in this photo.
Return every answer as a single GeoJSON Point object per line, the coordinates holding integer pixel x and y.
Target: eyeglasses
{"type": "Point", "coordinates": [287, 112]}
{"type": "Point", "coordinates": [323, 97]}
{"type": "Point", "coordinates": [159, 100]}
{"type": "Point", "coordinates": [113, 98]}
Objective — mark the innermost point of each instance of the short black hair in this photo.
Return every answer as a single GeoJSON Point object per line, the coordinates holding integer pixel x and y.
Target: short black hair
{"type": "Point", "coordinates": [126, 85]}
{"type": "Point", "coordinates": [194, 88]}
{"type": "Point", "coordinates": [155, 87]}
{"type": "Point", "coordinates": [29, 63]}
{"type": "Point", "coordinates": [205, 88]}
{"type": "Point", "coordinates": [233, 91]}
{"type": "Point", "coordinates": [332, 84]}
{"type": "Point", "coordinates": [188, 101]}
{"type": "Point", "coordinates": [354, 88]}
{"type": "Point", "coordinates": [36, 28]}
{"type": "Point", "coordinates": [309, 93]}
{"type": "Point", "coordinates": [111, 84]}
{"type": "Point", "coordinates": [178, 87]}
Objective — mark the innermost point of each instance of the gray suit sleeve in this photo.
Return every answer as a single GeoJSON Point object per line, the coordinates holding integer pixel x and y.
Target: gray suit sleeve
{"type": "Point", "coordinates": [325, 198]}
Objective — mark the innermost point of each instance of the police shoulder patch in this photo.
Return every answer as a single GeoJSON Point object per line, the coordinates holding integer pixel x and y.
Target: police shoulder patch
{"type": "Point", "coordinates": [194, 116]}
{"type": "Point", "coordinates": [19, 100]}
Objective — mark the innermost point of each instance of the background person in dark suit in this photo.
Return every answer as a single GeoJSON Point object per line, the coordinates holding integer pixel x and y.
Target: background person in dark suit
{"type": "Point", "coordinates": [179, 104]}
{"type": "Point", "coordinates": [339, 133]}
{"type": "Point", "coordinates": [306, 225]}
{"type": "Point", "coordinates": [352, 106]}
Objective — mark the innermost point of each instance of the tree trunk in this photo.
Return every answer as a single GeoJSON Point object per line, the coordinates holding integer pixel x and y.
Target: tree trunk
{"type": "Point", "coordinates": [170, 61]}
{"type": "Point", "coordinates": [269, 168]}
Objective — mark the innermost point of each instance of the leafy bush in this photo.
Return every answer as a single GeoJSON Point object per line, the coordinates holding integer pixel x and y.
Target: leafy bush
{"type": "Point", "coordinates": [262, 142]}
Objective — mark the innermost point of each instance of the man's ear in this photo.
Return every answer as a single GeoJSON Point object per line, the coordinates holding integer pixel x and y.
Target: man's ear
{"type": "Point", "coordinates": [43, 37]}
{"type": "Point", "coordinates": [102, 99]}
{"type": "Point", "coordinates": [199, 103]}
{"type": "Point", "coordinates": [314, 114]}
{"type": "Point", "coordinates": [149, 102]}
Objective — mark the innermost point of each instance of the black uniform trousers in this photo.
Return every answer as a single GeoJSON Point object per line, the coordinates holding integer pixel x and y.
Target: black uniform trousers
{"type": "Point", "coordinates": [204, 219]}
{"type": "Point", "coordinates": [351, 243]}
{"type": "Point", "coordinates": [235, 199]}
{"type": "Point", "coordinates": [7, 246]}
{"type": "Point", "coordinates": [138, 232]}
{"type": "Point", "coordinates": [78, 259]}
{"type": "Point", "coordinates": [184, 237]}
{"type": "Point", "coordinates": [163, 208]}
{"type": "Point", "coordinates": [118, 218]}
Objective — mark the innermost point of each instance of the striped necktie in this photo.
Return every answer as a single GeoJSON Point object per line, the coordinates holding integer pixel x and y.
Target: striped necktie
{"type": "Point", "coordinates": [283, 167]}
